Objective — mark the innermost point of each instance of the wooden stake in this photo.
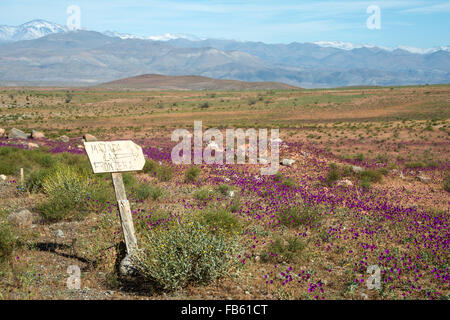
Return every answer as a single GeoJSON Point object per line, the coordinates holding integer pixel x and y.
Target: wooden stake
{"type": "Point", "coordinates": [125, 212]}
{"type": "Point", "coordinates": [22, 178]}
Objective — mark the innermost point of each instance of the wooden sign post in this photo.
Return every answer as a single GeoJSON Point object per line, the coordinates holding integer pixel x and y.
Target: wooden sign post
{"type": "Point", "coordinates": [116, 157]}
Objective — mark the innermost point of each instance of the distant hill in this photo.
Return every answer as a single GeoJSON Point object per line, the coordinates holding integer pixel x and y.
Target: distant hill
{"type": "Point", "coordinates": [163, 82]}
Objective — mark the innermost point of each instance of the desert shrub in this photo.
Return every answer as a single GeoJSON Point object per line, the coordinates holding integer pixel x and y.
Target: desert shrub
{"type": "Point", "coordinates": [236, 204]}
{"type": "Point", "coordinates": [333, 174]}
{"type": "Point", "coordinates": [182, 254]}
{"type": "Point", "coordinates": [129, 180]}
{"type": "Point", "coordinates": [7, 241]}
{"type": "Point", "coordinates": [278, 177]}
{"type": "Point", "coordinates": [224, 189]}
{"type": "Point", "coordinates": [164, 173]}
{"type": "Point", "coordinates": [203, 194]}
{"type": "Point", "coordinates": [281, 250]}
{"type": "Point", "coordinates": [371, 175]}
{"type": "Point", "coordinates": [68, 190]}
{"type": "Point", "coordinates": [220, 221]}
{"type": "Point", "coordinates": [34, 180]}
{"type": "Point", "coordinates": [299, 215]}
{"type": "Point", "coordinates": [150, 166]}
{"type": "Point", "coordinates": [447, 183]}
{"type": "Point", "coordinates": [204, 105]}
{"type": "Point", "coordinates": [9, 164]}
{"type": "Point", "coordinates": [415, 165]}
{"type": "Point", "coordinates": [144, 191]}
{"type": "Point", "coordinates": [288, 183]}
{"type": "Point", "coordinates": [191, 174]}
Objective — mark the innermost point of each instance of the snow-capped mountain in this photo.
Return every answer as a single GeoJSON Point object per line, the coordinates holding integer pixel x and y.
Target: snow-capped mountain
{"type": "Point", "coordinates": [351, 46]}
{"type": "Point", "coordinates": [30, 30]}
{"type": "Point", "coordinates": [163, 37]}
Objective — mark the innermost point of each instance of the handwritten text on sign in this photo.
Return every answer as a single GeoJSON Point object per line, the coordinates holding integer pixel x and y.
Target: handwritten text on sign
{"type": "Point", "coordinates": [114, 156]}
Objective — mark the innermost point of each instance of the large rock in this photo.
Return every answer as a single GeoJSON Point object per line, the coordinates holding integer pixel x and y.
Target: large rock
{"type": "Point", "coordinates": [37, 134]}
{"type": "Point", "coordinates": [64, 139]}
{"type": "Point", "coordinates": [89, 137]}
{"type": "Point", "coordinates": [23, 218]}
{"type": "Point", "coordinates": [17, 134]}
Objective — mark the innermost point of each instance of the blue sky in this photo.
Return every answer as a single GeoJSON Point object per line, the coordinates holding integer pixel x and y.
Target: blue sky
{"type": "Point", "coordinates": [404, 22]}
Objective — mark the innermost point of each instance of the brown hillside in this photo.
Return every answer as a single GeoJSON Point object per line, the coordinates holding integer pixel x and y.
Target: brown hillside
{"type": "Point", "coordinates": [163, 82]}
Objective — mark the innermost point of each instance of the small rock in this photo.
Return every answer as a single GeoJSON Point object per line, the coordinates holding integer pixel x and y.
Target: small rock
{"type": "Point", "coordinates": [305, 154]}
{"type": "Point", "coordinates": [32, 145]}
{"type": "Point", "coordinates": [3, 177]}
{"type": "Point", "coordinates": [287, 162]}
{"type": "Point", "coordinates": [364, 296]}
{"type": "Point", "coordinates": [17, 134]}
{"type": "Point", "coordinates": [247, 293]}
{"type": "Point", "coordinates": [357, 169]}
{"type": "Point", "coordinates": [423, 178]}
{"type": "Point", "coordinates": [23, 218]}
{"type": "Point", "coordinates": [59, 233]}
{"type": "Point", "coordinates": [231, 194]}
{"type": "Point", "coordinates": [345, 183]}
{"type": "Point", "coordinates": [89, 137]}
{"type": "Point", "coordinates": [37, 134]}
{"type": "Point", "coordinates": [402, 176]}
{"type": "Point", "coordinates": [2, 132]}
{"type": "Point", "coordinates": [80, 146]}
{"type": "Point", "coordinates": [64, 138]}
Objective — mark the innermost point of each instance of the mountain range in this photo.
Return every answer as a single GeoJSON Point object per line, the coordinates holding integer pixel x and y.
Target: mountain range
{"type": "Point", "coordinates": [44, 52]}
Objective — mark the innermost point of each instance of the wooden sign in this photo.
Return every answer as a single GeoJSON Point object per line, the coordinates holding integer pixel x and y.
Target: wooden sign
{"type": "Point", "coordinates": [116, 157]}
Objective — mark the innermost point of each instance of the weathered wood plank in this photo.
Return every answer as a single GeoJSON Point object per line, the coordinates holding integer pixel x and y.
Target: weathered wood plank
{"type": "Point", "coordinates": [125, 212]}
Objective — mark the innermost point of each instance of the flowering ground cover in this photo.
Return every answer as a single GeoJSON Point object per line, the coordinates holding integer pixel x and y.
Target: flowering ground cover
{"type": "Point", "coordinates": [301, 234]}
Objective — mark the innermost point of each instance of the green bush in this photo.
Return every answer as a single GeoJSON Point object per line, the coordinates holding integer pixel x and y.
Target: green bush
{"type": "Point", "coordinates": [224, 189]}
{"type": "Point", "coordinates": [415, 165]}
{"type": "Point", "coordinates": [7, 241]}
{"type": "Point", "coordinates": [236, 204]}
{"type": "Point", "coordinates": [298, 215]}
{"type": "Point", "coordinates": [281, 250]}
{"type": "Point", "coordinates": [191, 174]}
{"type": "Point", "coordinates": [68, 190]}
{"type": "Point", "coordinates": [447, 183]}
{"type": "Point", "coordinates": [34, 180]}
{"type": "Point", "coordinates": [220, 221]}
{"type": "Point", "coordinates": [184, 253]}
{"type": "Point", "coordinates": [203, 194]}
{"type": "Point", "coordinates": [164, 173]}
{"type": "Point", "coordinates": [333, 174]}
{"type": "Point", "coordinates": [371, 175]}
{"type": "Point", "coordinates": [150, 166]}
{"type": "Point", "coordinates": [144, 191]}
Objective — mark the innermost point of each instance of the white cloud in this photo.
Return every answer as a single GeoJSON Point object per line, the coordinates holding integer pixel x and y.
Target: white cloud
{"type": "Point", "coordinates": [440, 7]}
